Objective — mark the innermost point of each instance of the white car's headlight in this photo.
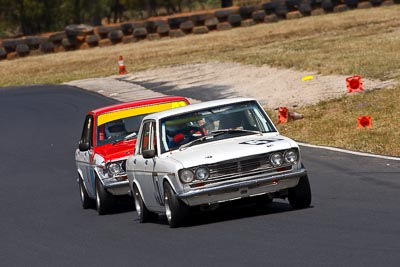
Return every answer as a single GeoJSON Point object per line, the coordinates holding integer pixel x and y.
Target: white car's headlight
{"type": "Point", "coordinates": [291, 156]}
{"type": "Point", "coordinates": [202, 173]}
{"type": "Point", "coordinates": [186, 175]}
{"type": "Point", "coordinates": [276, 159]}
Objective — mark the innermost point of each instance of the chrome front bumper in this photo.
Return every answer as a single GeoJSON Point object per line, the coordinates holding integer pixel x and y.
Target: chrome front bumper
{"type": "Point", "coordinates": [252, 186]}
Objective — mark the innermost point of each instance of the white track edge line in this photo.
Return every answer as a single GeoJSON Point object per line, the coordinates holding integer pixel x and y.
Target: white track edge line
{"type": "Point", "coordinates": [349, 151]}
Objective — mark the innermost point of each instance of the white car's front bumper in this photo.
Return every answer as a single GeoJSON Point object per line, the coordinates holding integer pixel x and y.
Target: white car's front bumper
{"type": "Point", "coordinates": [252, 186]}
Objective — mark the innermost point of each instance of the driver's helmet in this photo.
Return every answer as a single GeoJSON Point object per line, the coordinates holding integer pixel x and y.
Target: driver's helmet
{"type": "Point", "coordinates": [115, 128]}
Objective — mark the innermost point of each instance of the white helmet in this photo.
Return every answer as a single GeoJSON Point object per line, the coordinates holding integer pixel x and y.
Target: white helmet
{"type": "Point", "coordinates": [115, 128]}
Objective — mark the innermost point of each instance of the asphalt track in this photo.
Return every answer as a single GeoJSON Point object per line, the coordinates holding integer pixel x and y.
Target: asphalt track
{"type": "Point", "coordinates": [354, 219]}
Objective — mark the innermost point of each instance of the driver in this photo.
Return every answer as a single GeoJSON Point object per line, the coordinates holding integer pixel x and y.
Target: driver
{"type": "Point", "coordinates": [115, 128]}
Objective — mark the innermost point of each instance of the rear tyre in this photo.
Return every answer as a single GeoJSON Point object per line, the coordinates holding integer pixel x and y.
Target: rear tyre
{"type": "Point", "coordinates": [175, 209]}
{"type": "Point", "coordinates": [300, 196]}
{"type": "Point", "coordinates": [87, 202]}
{"type": "Point", "coordinates": [143, 213]}
{"type": "Point", "coordinates": [104, 200]}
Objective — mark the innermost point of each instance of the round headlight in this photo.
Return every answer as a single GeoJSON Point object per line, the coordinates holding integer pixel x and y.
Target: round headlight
{"type": "Point", "coordinates": [291, 156]}
{"type": "Point", "coordinates": [276, 159]}
{"type": "Point", "coordinates": [202, 173]}
{"type": "Point", "coordinates": [186, 176]}
{"type": "Point", "coordinates": [114, 168]}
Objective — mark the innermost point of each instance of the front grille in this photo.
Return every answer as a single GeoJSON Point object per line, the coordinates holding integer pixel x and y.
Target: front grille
{"type": "Point", "coordinates": [247, 164]}
{"type": "Point", "coordinates": [240, 168]}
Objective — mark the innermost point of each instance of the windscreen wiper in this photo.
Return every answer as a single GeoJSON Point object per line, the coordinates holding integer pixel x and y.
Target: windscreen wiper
{"type": "Point", "coordinates": [128, 137]}
{"type": "Point", "coordinates": [202, 138]}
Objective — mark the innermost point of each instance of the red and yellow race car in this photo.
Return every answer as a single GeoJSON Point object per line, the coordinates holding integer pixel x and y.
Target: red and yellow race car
{"type": "Point", "coordinates": [108, 139]}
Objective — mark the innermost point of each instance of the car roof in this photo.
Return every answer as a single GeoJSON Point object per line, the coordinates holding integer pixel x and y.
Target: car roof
{"type": "Point", "coordinates": [137, 103]}
{"type": "Point", "coordinates": [196, 106]}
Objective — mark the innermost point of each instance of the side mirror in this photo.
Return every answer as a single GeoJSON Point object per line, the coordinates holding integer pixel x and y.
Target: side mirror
{"type": "Point", "coordinates": [84, 146]}
{"type": "Point", "coordinates": [148, 154]}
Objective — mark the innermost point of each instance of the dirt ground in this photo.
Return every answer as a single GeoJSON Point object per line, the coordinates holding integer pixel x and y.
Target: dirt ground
{"type": "Point", "coordinates": [206, 81]}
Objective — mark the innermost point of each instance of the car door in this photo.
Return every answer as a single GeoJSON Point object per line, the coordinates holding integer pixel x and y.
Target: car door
{"type": "Point", "coordinates": [143, 168]}
{"type": "Point", "coordinates": [84, 156]}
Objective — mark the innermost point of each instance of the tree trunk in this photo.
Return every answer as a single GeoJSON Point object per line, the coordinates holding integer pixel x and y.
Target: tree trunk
{"type": "Point", "coordinates": [226, 3]}
{"type": "Point", "coordinates": [151, 8]}
{"type": "Point", "coordinates": [77, 12]}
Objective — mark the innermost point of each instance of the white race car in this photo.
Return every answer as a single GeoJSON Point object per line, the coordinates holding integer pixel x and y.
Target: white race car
{"type": "Point", "coordinates": [213, 152]}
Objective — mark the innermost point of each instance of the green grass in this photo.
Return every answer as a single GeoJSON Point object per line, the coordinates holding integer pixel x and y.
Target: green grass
{"type": "Point", "coordinates": [363, 41]}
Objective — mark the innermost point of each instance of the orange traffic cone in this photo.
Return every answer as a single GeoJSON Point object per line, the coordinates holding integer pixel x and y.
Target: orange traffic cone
{"type": "Point", "coordinates": [364, 121]}
{"type": "Point", "coordinates": [121, 66]}
{"type": "Point", "coordinates": [283, 113]}
{"type": "Point", "coordinates": [354, 84]}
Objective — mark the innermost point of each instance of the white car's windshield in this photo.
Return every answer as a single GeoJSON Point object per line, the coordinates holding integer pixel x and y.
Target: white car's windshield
{"type": "Point", "coordinates": [217, 123]}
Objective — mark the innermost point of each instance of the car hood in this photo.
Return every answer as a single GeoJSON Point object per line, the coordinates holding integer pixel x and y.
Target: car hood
{"type": "Point", "coordinates": [120, 150]}
{"type": "Point", "coordinates": [231, 148]}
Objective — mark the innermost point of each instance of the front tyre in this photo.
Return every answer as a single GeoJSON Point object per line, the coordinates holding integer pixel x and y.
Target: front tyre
{"type": "Point", "coordinates": [104, 200]}
{"type": "Point", "coordinates": [300, 196]}
{"type": "Point", "coordinates": [175, 209]}
{"type": "Point", "coordinates": [143, 213]}
{"type": "Point", "coordinates": [86, 201]}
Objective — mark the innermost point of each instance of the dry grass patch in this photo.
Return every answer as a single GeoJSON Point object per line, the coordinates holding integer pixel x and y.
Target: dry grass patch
{"type": "Point", "coordinates": [334, 123]}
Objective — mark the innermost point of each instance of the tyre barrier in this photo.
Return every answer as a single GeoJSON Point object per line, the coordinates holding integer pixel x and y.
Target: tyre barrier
{"type": "Point", "coordinates": [79, 36]}
{"type": "Point", "coordinates": [293, 15]}
{"type": "Point", "coordinates": [35, 41]}
{"type": "Point", "coordinates": [92, 40]}
{"type": "Point", "coordinates": [200, 30]}
{"type": "Point", "coordinates": [103, 31]}
{"type": "Point", "coordinates": [163, 30]}
{"type": "Point", "coordinates": [68, 44]}
{"type": "Point", "coordinates": [340, 8]}
{"type": "Point", "coordinates": [247, 23]}
{"type": "Point", "coordinates": [140, 33]}
{"type": "Point", "coordinates": [246, 12]}
{"type": "Point", "coordinates": [152, 25]}
{"type": "Point", "coordinates": [305, 9]}
{"type": "Point", "coordinates": [78, 30]}
{"type": "Point", "coordinates": [376, 2]}
{"type": "Point", "coordinates": [3, 53]}
{"type": "Point", "coordinates": [223, 14]}
{"type": "Point", "coordinates": [22, 50]}
{"type": "Point", "coordinates": [224, 26]}
{"type": "Point", "coordinates": [127, 28]}
{"type": "Point", "coordinates": [234, 20]}
{"type": "Point", "coordinates": [175, 22]}
{"type": "Point", "coordinates": [11, 44]}
{"type": "Point", "coordinates": [269, 8]}
{"type": "Point", "coordinates": [351, 4]}
{"type": "Point", "coordinates": [200, 18]}
{"type": "Point", "coordinates": [56, 38]}
{"type": "Point", "coordinates": [176, 33]}
{"type": "Point", "coordinates": [46, 47]}
{"type": "Point", "coordinates": [271, 18]}
{"type": "Point", "coordinates": [187, 26]}
{"type": "Point", "coordinates": [211, 23]}
{"type": "Point", "coordinates": [258, 16]}
{"type": "Point", "coordinates": [115, 36]}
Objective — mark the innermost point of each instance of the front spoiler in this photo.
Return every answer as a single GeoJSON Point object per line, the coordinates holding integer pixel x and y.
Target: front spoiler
{"type": "Point", "coordinates": [256, 185]}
